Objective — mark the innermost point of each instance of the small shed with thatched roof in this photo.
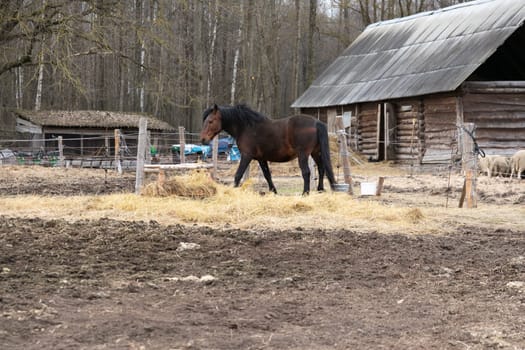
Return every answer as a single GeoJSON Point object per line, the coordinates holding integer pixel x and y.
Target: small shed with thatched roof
{"type": "Point", "coordinates": [407, 85]}
{"type": "Point", "coordinates": [82, 131]}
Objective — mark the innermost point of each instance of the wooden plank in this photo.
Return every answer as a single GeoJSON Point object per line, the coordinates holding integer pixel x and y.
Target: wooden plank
{"type": "Point", "coordinates": [179, 166]}
{"type": "Point", "coordinates": [501, 145]}
{"type": "Point", "coordinates": [500, 116]}
{"type": "Point", "coordinates": [495, 98]}
{"type": "Point", "coordinates": [331, 115]}
{"type": "Point", "coordinates": [497, 134]}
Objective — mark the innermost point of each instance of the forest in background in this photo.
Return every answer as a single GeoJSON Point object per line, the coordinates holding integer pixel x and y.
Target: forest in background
{"type": "Point", "coordinates": [173, 58]}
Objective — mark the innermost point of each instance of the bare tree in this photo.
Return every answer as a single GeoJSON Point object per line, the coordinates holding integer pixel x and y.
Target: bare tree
{"type": "Point", "coordinates": [312, 29]}
{"type": "Point", "coordinates": [171, 57]}
{"type": "Point", "coordinates": [296, 51]}
{"type": "Point", "coordinates": [236, 55]}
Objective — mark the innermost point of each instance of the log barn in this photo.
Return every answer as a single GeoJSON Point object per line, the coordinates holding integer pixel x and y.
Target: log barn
{"type": "Point", "coordinates": [406, 86]}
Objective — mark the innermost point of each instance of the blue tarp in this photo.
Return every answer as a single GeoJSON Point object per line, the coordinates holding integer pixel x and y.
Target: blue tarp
{"type": "Point", "coordinates": [191, 148]}
{"type": "Point", "coordinates": [226, 145]}
{"type": "Point", "coordinates": [234, 154]}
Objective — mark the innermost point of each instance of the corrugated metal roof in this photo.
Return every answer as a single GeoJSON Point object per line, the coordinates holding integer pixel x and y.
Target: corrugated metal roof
{"type": "Point", "coordinates": [416, 55]}
{"type": "Point", "coordinates": [91, 119]}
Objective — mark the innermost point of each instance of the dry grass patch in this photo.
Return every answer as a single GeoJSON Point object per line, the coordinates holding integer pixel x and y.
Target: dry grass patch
{"type": "Point", "coordinates": [198, 200]}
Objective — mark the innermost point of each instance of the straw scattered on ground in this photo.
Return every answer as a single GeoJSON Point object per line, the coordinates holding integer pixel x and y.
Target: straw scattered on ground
{"type": "Point", "coordinates": [197, 185]}
{"type": "Point", "coordinates": [195, 199]}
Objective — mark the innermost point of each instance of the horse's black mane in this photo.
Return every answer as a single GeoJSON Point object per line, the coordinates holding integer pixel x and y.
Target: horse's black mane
{"type": "Point", "coordinates": [240, 115]}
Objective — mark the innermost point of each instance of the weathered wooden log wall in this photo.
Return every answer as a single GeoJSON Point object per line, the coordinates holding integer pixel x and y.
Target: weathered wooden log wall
{"type": "Point", "coordinates": [409, 124]}
{"type": "Point", "coordinates": [499, 119]}
{"type": "Point", "coordinates": [440, 128]}
{"type": "Point", "coordinates": [367, 129]}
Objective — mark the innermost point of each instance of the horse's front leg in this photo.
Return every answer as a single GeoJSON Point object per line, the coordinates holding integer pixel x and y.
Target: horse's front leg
{"type": "Point", "coordinates": [243, 164]}
{"type": "Point", "coordinates": [305, 171]}
{"type": "Point", "coordinates": [267, 175]}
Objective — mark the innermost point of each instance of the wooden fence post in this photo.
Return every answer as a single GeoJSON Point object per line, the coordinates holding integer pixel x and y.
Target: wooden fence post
{"type": "Point", "coordinates": [106, 146]}
{"type": "Point", "coordinates": [141, 154]}
{"type": "Point", "coordinates": [469, 161]}
{"type": "Point", "coordinates": [215, 156]}
{"type": "Point", "coordinates": [117, 151]}
{"type": "Point", "coordinates": [182, 145]}
{"type": "Point", "coordinates": [60, 152]}
{"type": "Point", "coordinates": [148, 142]}
{"type": "Point", "coordinates": [313, 173]}
{"type": "Point", "coordinates": [343, 151]}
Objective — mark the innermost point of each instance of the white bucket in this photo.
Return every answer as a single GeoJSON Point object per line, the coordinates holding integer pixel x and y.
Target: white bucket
{"type": "Point", "coordinates": [368, 188]}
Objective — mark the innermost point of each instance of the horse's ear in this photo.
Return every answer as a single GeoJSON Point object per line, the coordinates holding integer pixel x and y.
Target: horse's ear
{"type": "Point", "coordinates": [215, 108]}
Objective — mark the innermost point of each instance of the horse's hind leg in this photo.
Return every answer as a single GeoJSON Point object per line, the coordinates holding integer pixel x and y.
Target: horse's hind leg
{"type": "Point", "coordinates": [267, 175]}
{"type": "Point", "coordinates": [321, 170]}
{"type": "Point", "coordinates": [305, 171]}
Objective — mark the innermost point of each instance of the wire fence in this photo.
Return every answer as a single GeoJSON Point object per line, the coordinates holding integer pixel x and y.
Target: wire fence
{"type": "Point", "coordinates": [102, 151]}
{"type": "Point", "coordinates": [120, 149]}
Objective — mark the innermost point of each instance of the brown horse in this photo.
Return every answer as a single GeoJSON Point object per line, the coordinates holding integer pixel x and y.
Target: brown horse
{"type": "Point", "coordinates": [263, 139]}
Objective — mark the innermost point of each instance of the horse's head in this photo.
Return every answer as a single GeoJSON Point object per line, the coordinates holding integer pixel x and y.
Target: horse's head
{"type": "Point", "coordinates": [211, 124]}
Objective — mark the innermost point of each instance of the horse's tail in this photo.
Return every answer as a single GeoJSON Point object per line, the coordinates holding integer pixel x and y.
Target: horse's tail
{"type": "Point", "coordinates": [322, 135]}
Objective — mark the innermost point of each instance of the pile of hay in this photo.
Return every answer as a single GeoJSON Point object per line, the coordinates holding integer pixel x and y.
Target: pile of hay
{"type": "Point", "coordinates": [335, 154]}
{"type": "Point", "coordinates": [197, 185]}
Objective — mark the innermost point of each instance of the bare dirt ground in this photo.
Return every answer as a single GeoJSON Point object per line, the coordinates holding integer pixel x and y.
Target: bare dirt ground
{"type": "Point", "coordinates": [108, 284]}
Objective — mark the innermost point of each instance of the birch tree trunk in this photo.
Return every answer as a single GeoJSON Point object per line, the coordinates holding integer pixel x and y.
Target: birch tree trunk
{"type": "Point", "coordinates": [212, 36]}
{"type": "Point", "coordinates": [295, 63]}
{"type": "Point", "coordinates": [39, 84]}
{"type": "Point", "coordinates": [236, 56]}
{"type": "Point", "coordinates": [19, 83]}
{"type": "Point", "coordinates": [121, 70]}
{"type": "Point", "coordinates": [40, 80]}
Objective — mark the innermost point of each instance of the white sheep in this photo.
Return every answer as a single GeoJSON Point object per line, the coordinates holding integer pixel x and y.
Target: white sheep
{"type": "Point", "coordinates": [500, 166]}
{"type": "Point", "coordinates": [517, 164]}
{"type": "Point", "coordinates": [495, 165]}
{"type": "Point", "coordinates": [483, 164]}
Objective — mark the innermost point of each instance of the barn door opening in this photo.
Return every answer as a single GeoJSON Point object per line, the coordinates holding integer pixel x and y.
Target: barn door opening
{"type": "Point", "coordinates": [386, 126]}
